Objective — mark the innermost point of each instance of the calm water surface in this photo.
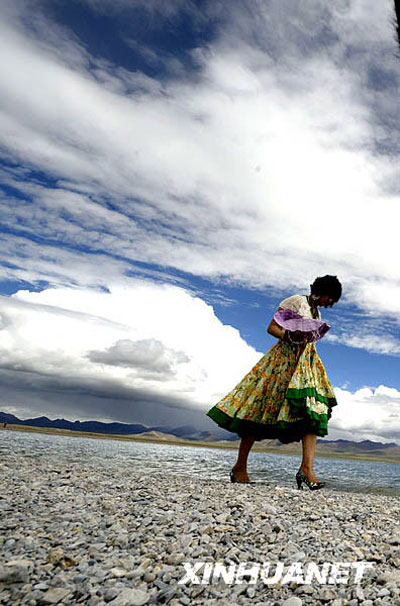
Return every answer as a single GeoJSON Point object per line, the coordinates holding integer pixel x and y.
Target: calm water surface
{"type": "Point", "coordinates": [193, 461]}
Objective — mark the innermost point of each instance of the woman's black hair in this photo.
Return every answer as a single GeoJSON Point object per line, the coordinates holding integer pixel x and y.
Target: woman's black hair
{"type": "Point", "coordinates": [327, 285]}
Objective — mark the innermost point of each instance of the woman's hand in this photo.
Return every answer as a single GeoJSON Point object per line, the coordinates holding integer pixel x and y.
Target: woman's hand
{"type": "Point", "coordinates": [296, 337]}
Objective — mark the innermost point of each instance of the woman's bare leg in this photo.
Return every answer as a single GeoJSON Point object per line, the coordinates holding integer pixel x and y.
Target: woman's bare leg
{"type": "Point", "coordinates": [309, 441]}
{"type": "Point", "coordinates": [240, 467]}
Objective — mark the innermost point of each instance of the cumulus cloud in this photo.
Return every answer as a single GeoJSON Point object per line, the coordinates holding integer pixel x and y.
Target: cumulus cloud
{"type": "Point", "coordinates": [148, 355]}
{"type": "Point", "coordinates": [367, 414]}
{"type": "Point", "coordinates": [146, 348]}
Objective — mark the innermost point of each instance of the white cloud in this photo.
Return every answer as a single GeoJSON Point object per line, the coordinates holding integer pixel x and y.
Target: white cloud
{"type": "Point", "coordinates": [263, 170]}
{"type": "Point", "coordinates": [381, 344]}
{"type": "Point", "coordinates": [366, 414]}
{"type": "Point", "coordinates": [157, 339]}
{"type": "Point", "coordinates": [148, 356]}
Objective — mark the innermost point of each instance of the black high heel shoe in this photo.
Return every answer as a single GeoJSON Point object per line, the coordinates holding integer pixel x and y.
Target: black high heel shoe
{"type": "Point", "coordinates": [301, 478]}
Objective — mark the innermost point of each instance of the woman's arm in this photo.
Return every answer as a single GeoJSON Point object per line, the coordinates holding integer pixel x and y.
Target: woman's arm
{"type": "Point", "coordinates": [275, 330]}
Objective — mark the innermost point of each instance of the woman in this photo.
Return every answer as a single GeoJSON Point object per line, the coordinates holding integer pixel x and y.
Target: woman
{"type": "Point", "coordinates": [287, 395]}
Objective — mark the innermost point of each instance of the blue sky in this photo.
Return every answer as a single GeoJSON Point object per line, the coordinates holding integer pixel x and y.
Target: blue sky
{"type": "Point", "coordinates": [170, 172]}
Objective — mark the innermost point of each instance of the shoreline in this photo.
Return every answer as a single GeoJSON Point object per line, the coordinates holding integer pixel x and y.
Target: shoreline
{"type": "Point", "coordinates": [291, 451]}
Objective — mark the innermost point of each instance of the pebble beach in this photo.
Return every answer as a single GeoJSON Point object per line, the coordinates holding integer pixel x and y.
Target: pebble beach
{"type": "Point", "coordinates": [75, 531]}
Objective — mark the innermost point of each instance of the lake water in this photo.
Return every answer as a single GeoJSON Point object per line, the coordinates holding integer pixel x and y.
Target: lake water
{"type": "Point", "coordinates": [214, 463]}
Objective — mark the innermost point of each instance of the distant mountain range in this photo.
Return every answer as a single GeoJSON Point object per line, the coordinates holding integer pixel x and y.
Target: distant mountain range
{"type": "Point", "coordinates": [190, 433]}
{"type": "Point", "coordinates": [187, 432]}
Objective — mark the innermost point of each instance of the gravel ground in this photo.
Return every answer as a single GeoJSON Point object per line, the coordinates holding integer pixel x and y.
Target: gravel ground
{"type": "Point", "coordinates": [78, 533]}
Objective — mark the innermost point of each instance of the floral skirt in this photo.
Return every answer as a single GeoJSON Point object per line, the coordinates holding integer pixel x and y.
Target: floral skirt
{"type": "Point", "coordinates": [286, 395]}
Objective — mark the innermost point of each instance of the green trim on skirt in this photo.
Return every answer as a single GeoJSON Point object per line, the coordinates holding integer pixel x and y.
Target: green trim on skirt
{"type": "Point", "coordinates": [281, 430]}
